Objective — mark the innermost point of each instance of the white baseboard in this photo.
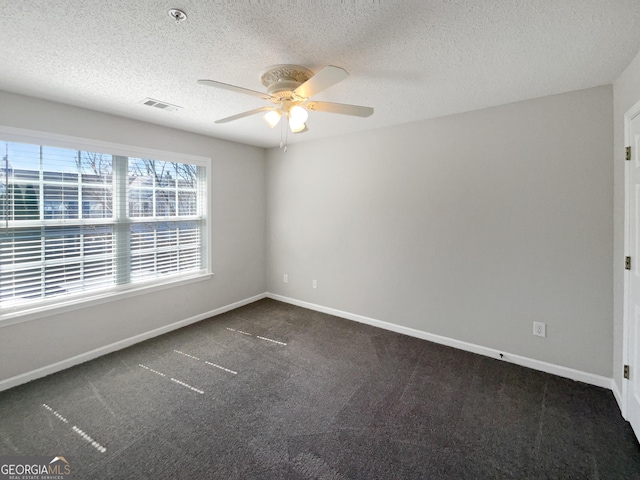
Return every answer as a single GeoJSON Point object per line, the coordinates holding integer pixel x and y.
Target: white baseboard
{"type": "Point", "coordinates": [617, 393]}
{"type": "Point", "coordinates": [127, 342]}
{"type": "Point", "coordinates": [566, 372]}
{"type": "Point", "coordinates": [561, 371]}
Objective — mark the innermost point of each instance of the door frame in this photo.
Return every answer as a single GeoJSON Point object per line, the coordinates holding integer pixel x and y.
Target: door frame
{"type": "Point", "coordinates": [632, 113]}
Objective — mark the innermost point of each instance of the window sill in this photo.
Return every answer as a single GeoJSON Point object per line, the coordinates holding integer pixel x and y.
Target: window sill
{"type": "Point", "coordinates": [20, 314]}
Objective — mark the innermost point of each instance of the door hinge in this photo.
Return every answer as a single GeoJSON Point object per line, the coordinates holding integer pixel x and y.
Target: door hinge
{"type": "Point", "coordinates": [628, 156]}
{"type": "Point", "coordinates": [627, 263]}
{"type": "Point", "coordinates": [626, 372]}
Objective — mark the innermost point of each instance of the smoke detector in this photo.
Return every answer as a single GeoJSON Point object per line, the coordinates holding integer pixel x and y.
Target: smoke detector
{"type": "Point", "coordinates": [178, 15]}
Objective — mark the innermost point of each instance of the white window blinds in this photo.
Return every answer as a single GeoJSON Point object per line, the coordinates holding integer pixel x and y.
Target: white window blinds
{"type": "Point", "coordinates": [74, 221]}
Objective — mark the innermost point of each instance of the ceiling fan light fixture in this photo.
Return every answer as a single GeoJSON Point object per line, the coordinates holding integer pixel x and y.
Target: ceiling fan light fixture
{"type": "Point", "coordinates": [297, 127]}
{"type": "Point", "coordinates": [298, 114]}
{"type": "Point", "coordinates": [272, 118]}
{"type": "Point", "coordinates": [304, 129]}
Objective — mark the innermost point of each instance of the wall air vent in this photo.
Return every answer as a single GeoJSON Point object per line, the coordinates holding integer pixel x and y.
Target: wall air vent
{"type": "Point", "coordinates": [168, 107]}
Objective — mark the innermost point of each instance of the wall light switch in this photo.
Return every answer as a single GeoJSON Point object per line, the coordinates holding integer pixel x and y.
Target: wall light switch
{"type": "Point", "coordinates": [315, 284]}
{"type": "Point", "coordinates": [285, 278]}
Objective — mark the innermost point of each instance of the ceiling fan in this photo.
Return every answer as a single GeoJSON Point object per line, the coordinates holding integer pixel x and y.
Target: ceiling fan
{"type": "Point", "coordinates": [289, 88]}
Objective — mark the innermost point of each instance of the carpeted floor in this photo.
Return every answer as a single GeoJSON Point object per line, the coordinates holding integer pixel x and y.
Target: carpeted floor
{"type": "Point", "coordinates": [274, 391]}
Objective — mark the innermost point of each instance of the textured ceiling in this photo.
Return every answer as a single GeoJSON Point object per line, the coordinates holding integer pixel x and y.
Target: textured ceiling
{"type": "Point", "coordinates": [410, 60]}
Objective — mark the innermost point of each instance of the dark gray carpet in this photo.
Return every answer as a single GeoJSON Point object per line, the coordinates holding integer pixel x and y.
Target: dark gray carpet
{"type": "Point", "coordinates": [340, 400]}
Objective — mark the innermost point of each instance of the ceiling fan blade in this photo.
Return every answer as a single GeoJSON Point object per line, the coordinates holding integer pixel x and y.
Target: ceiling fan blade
{"type": "Point", "coordinates": [233, 88]}
{"type": "Point", "coordinates": [322, 80]}
{"type": "Point", "coordinates": [244, 114]}
{"type": "Point", "coordinates": [342, 108]}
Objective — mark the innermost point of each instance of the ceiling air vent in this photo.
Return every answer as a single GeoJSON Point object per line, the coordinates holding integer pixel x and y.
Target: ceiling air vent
{"type": "Point", "coordinates": [161, 105]}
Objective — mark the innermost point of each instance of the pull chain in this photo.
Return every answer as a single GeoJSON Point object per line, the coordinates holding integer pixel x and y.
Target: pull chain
{"type": "Point", "coordinates": [286, 139]}
{"type": "Point", "coordinates": [281, 134]}
{"type": "Point", "coordinates": [284, 132]}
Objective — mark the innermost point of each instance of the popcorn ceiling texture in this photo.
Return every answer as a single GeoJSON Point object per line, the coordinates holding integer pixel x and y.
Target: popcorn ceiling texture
{"type": "Point", "coordinates": [410, 60]}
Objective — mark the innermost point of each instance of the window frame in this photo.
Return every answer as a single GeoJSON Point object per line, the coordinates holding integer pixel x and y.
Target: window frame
{"type": "Point", "coordinates": [23, 312]}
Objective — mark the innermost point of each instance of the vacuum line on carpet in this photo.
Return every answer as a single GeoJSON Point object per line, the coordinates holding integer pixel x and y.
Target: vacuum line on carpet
{"type": "Point", "coordinates": [93, 443]}
{"type": "Point", "coordinates": [239, 331]}
{"type": "Point", "coordinates": [173, 379]}
{"type": "Point", "coordinates": [77, 430]}
{"type": "Point", "coordinates": [257, 336]}
{"type": "Point", "coordinates": [269, 340]}
{"type": "Point", "coordinates": [221, 368]}
{"type": "Point", "coordinates": [152, 370]}
{"type": "Point", "coordinates": [186, 354]}
{"type": "Point", "coordinates": [208, 363]}
{"type": "Point", "coordinates": [188, 386]}
{"type": "Point", "coordinates": [55, 413]}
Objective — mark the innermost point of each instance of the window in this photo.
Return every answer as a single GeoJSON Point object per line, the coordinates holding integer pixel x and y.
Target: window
{"type": "Point", "coordinates": [80, 221]}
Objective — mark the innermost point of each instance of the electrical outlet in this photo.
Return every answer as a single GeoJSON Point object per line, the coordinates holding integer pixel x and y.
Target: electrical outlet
{"type": "Point", "coordinates": [315, 284]}
{"type": "Point", "coordinates": [539, 329]}
{"type": "Point", "coordinates": [285, 278]}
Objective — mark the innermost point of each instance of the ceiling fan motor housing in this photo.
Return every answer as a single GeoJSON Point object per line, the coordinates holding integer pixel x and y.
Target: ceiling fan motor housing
{"type": "Point", "coordinates": [282, 80]}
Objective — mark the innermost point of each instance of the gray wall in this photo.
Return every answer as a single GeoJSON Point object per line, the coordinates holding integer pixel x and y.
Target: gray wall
{"type": "Point", "coordinates": [470, 226]}
{"type": "Point", "coordinates": [237, 221]}
{"type": "Point", "coordinates": [626, 92]}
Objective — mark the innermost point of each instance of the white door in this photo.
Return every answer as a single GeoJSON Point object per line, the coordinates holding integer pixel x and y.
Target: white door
{"type": "Point", "coordinates": [633, 305]}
